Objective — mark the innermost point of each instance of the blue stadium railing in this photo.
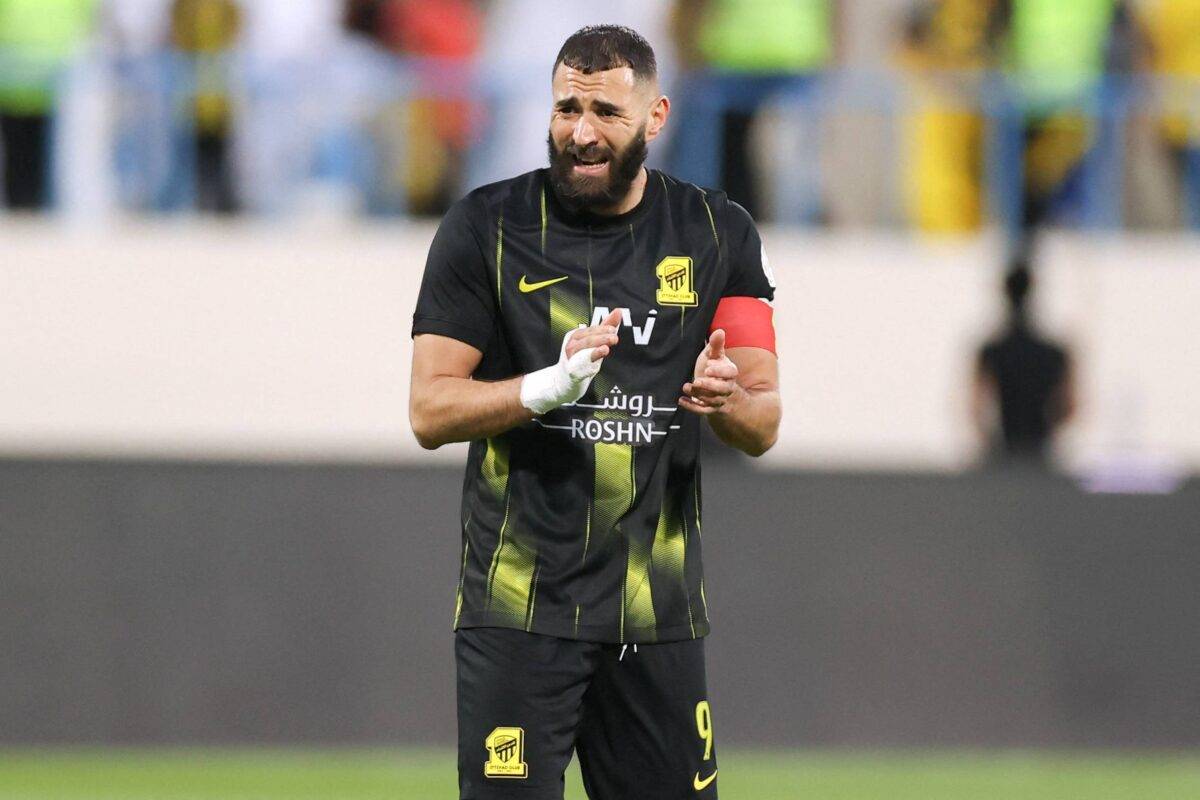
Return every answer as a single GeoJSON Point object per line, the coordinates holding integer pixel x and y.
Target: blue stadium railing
{"type": "Point", "coordinates": [317, 123]}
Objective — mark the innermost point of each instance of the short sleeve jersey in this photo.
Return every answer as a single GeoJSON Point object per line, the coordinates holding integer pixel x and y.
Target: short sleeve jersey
{"type": "Point", "coordinates": [586, 522]}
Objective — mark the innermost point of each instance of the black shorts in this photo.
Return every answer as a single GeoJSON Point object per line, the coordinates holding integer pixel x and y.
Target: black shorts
{"type": "Point", "coordinates": [639, 721]}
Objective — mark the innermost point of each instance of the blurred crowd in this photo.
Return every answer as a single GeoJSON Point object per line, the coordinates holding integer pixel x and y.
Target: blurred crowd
{"type": "Point", "coordinates": [1016, 112]}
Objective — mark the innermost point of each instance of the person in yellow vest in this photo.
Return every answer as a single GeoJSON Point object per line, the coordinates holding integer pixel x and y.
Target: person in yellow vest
{"type": "Point", "coordinates": [37, 39]}
{"type": "Point", "coordinates": [205, 31]}
{"type": "Point", "coordinates": [739, 55]}
{"type": "Point", "coordinates": [947, 49]}
{"type": "Point", "coordinates": [1173, 30]}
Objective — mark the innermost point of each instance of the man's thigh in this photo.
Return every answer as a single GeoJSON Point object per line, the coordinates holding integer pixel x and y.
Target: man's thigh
{"type": "Point", "coordinates": [647, 729]}
{"type": "Point", "coordinates": [519, 702]}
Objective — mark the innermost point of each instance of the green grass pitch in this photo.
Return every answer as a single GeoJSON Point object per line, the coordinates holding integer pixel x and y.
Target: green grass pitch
{"type": "Point", "coordinates": [350, 774]}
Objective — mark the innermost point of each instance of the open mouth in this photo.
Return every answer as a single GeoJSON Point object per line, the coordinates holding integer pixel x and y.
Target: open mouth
{"type": "Point", "coordinates": [590, 165]}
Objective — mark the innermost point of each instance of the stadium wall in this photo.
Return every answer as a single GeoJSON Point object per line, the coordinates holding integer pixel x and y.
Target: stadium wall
{"type": "Point", "coordinates": [251, 341]}
{"type": "Point", "coordinates": [191, 602]}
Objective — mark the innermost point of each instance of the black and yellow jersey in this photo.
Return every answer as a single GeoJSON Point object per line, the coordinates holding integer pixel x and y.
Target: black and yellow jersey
{"type": "Point", "coordinates": [586, 522]}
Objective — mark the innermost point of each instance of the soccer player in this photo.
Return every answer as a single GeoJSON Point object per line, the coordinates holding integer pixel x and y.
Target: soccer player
{"type": "Point", "coordinates": [577, 325]}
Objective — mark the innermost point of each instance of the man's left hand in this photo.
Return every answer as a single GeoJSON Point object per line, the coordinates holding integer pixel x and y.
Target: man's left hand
{"type": "Point", "coordinates": [713, 388]}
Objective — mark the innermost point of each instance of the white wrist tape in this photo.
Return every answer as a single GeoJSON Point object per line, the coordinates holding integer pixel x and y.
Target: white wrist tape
{"type": "Point", "coordinates": [564, 382]}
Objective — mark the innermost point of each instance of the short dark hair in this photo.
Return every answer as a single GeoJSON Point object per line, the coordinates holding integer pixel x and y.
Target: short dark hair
{"type": "Point", "coordinates": [601, 47]}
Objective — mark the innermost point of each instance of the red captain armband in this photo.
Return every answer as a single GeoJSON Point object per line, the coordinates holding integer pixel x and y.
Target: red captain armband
{"type": "Point", "coordinates": [746, 322]}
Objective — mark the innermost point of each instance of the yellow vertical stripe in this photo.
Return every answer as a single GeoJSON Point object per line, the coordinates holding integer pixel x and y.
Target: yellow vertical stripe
{"type": "Point", "coordinates": [512, 567]}
{"type": "Point", "coordinates": [614, 492]}
{"type": "Point", "coordinates": [567, 311]}
{"type": "Point", "coordinates": [512, 580]}
{"type": "Point", "coordinates": [462, 577]}
{"type": "Point", "coordinates": [499, 258]}
{"type": "Point", "coordinates": [494, 469]}
{"type": "Point", "coordinates": [712, 222]}
{"type": "Point", "coordinates": [543, 221]}
{"type": "Point", "coordinates": [496, 554]}
{"type": "Point", "coordinates": [639, 598]}
{"type": "Point", "coordinates": [614, 488]}
{"type": "Point", "coordinates": [669, 550]}
{"type": "Point", "coordinates": [587, 532]}
{"type": "Point", "coordinates": [532, 599]}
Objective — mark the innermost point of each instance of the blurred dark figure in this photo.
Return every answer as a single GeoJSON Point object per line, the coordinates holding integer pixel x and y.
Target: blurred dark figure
{"type": "Point", "coordinates": [738, 56]}
{"type": "Point", "coordinates": [37, 39]}
{"type": "Point", "coordinates": [1027, 378]}
{"type": "Point", "coordinates": [1058, 54]}
{"type": "Point", "coordinates": [205, 31]}
{"type": "Point", "coordinates": [1173, 31]}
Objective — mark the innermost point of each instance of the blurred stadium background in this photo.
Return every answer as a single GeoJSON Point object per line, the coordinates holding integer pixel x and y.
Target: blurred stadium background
{"type": "Point", "coordinates": [227, 570]}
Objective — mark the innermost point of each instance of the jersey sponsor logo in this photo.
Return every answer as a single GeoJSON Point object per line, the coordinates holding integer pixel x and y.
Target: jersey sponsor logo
{"type": "Point", "coordinates": [675, 282]}
{"type": "Point", "coordinates": [701, 785]}
{"type": "Point", "coordinates": [614, 431]}
{"type": "Point", "coordinates": [623, 419]}
{"type": "Point", "coordinates": [506, 754]}
{"type": "Point", "coordinates": [641, 335]}
{"type": "Point", "coordinates": [526, 287]}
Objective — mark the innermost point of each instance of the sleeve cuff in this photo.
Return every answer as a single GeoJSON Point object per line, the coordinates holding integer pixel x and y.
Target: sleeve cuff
{"type": "Point", "coordinates": [455, 330]}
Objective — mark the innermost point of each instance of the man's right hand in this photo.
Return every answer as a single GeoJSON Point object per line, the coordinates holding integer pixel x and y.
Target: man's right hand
{"type": "Point", "coordinates": [579, 360]}
{"type": "Point", "coordinates": [602, 337]}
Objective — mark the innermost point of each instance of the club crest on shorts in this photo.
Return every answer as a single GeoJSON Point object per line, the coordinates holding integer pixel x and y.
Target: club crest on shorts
{"type": "Point", "coordinates": [506, 754]}
{"type": "Point", "coordinates": [675, 282]}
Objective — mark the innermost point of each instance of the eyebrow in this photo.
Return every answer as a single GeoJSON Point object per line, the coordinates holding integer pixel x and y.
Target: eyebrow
{"type": "Point", "coordinates": [599, 105]}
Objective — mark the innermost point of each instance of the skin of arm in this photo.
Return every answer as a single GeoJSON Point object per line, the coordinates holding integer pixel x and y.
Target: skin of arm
{"type": "Point", "coordinates": [447, 405]}
{"type": "Point", "coordinates": [738, 390]}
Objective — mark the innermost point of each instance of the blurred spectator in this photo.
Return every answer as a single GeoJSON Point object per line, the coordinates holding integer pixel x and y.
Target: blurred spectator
{"type": "Point", "coordinates": [37, 39]}
{"type": "Point", "coordinates": [447, 34]}
{"type": "Point", "coordinates": [206, 30]}
{"type": "Point", "coordinates": [948, 46]}
{"type": "Point", "coordinates": [1173, 29]}
{"type": "Point", "coordinates": [742, 54]}
{"type": "Point", "coordinates": [138, 36]}
{"type": "Point", "coordinates": [1057, 55]}
{"type": "Point", "coordinates": [1026, 378]}
{"type": "Point", "coordinates": [300, 75]}
{"type": "Point", "coordinates": [136, 28]}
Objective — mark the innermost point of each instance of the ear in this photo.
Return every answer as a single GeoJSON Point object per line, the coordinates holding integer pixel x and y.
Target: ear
{"type": "Point", "coordinates": [659, 111]}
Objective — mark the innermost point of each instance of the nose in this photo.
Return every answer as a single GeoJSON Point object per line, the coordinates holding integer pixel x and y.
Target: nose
{"type": "Point", "coordinates": [583, 134]}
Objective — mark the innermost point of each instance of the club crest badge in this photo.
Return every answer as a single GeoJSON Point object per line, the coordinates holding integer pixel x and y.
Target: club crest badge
{"type": "Point", "coordinates": [506, 754]}
{"type": "Point", "coordinates": [675, 282]}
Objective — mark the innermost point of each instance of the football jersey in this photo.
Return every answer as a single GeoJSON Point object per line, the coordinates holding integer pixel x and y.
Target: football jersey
{"type": "Point", "coordinates": [586, 522]}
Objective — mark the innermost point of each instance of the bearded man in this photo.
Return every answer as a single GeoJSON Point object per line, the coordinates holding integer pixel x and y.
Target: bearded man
{"type": "Point", "coordinates": [577, 325]}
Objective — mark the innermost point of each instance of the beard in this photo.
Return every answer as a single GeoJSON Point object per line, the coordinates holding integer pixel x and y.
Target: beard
{"type": "Point", "coordinates": [585, 193]}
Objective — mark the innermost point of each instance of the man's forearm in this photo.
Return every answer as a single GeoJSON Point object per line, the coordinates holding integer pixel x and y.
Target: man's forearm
{"type": "Point", "coordinates": [750, 422]}
{"type": "Point", "coordinates": [454, 409]}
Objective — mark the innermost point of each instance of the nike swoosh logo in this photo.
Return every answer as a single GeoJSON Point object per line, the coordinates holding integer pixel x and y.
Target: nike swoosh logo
{"type": "Point", "coordinates": [703, 784]}
{"type": "Point", "coordinates": [527, 287]}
